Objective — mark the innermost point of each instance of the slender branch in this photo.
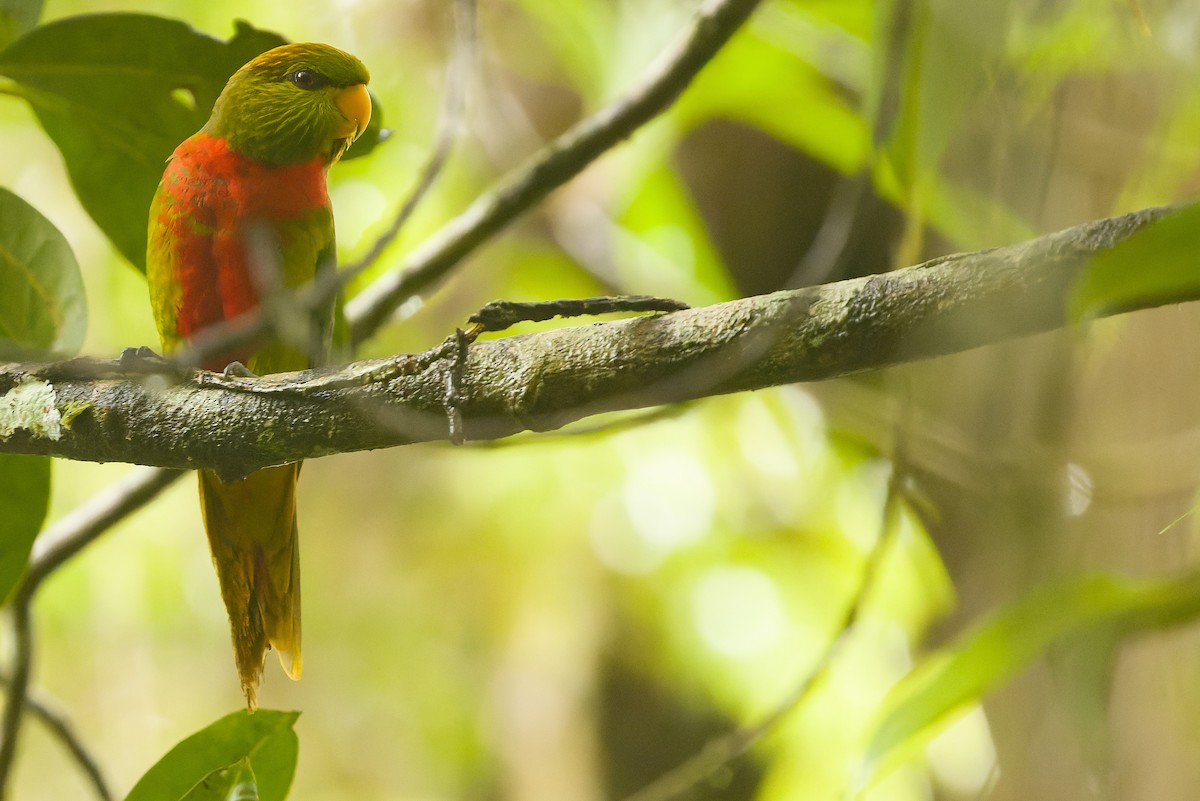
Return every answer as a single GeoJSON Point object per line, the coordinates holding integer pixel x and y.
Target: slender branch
{"type": "Point", "coordinates": [723, 751]}
{"type": "Point", "coordinates": [450, 124]}
{"type": "Point", "coordinates": [82, 525]}
{"type": "Point", "coordinates": [65, 538]}
{"type": "Point", "coordinates": [14, 707]}
{"type": "Point", "coordinates": [60, 727]}
{"type": "Point", "coordinates": [551, 167]}
{"type": "Point", "coordinates": [543, 381]}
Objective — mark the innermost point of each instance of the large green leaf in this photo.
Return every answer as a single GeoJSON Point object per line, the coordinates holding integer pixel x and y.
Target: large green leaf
{"type": "Point", "coordinates": [1100, 609]}
{"type": "Point", "coordinates": [24, 498]}
{"type": "Point", "coordinates": [117, 93]}
{"type": "Point", "coordinates": [42, 305]}
{"type": "Point", "coordinates": [253, 753]}
{"type": "Point", "coordinates": [1158, 264]}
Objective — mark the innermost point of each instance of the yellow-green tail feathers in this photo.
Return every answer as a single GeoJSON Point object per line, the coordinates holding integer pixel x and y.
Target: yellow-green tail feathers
{"type": "Point", "coordinates": [251, 525]}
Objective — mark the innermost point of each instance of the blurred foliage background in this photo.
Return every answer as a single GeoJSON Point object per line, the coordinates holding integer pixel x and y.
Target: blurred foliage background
{"type": "Point", "coordinates": [571, 615]}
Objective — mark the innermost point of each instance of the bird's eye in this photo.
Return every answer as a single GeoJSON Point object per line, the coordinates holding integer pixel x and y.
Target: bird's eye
{"type": "Point", "coordinates": [306, 79]}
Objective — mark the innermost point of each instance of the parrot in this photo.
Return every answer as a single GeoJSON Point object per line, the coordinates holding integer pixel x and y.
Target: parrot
{"type": "Point", "coordinates": [242, 214]}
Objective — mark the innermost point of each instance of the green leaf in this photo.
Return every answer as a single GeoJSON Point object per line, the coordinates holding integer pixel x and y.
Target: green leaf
{"type": "Point", "coordinates": [24, 499]}
{"type": "Point", "coordinates": [42, 305]}
{"type": "Point", "coordinates": [117, 93]}
{"type": "Point", "coordinates": [253, 753]}
{"type": "Point", "coordinates": [1156, 265]}
{"type": "Point", "coordinates": [16, 17]}
{"type": "Point", "coordinates": [1100, 608]}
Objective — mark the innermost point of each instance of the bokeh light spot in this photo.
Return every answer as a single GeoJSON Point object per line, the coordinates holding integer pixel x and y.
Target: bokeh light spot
{"type": "Point", "coordinates": [738, 611]}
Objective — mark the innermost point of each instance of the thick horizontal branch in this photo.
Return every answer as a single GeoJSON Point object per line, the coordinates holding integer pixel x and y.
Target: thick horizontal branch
{"type": "Point", "coordinates": [543, 381]}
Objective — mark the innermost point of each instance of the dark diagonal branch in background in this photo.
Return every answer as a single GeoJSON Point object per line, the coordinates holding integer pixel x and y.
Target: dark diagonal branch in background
{"type": "Point", "coordinates": [722, 752]}
{"type": "Point", "coordinates": [65, 539]}
{"type": "Point", "coordinates": [553, 166]}
{"type": "Point", "coordinates": [543, 381]}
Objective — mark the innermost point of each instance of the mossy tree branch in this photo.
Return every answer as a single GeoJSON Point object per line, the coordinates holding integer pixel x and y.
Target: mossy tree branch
{"type": "Point", "coordinates": [97, 411]}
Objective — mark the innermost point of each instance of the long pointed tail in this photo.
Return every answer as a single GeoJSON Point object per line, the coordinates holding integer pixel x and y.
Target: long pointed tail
{"type": "Point", "coordinates": [251, 525]}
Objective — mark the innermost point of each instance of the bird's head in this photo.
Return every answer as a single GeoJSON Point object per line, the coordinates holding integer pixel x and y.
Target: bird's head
{"type": "Point", "coordinates": [292, 104]}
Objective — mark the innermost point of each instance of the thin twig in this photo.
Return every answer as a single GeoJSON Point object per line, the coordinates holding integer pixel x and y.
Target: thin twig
{"type": "Point", "coordinates": [65, 538]}
{"type": "Point", "coordinates": [60, 727]}
{"type": "Point", "coordinates": [721, 752]}
{"type": "Point", "coordinates": [10, 725]}
{"type": "Point", "coordinates": [841, 224]}
{"type": "Point", "coordinates": [81, 526]}
{"type": "Point", "coordinates": [450, 125]}
{"type": "Point", "coordinates": [552, 166]}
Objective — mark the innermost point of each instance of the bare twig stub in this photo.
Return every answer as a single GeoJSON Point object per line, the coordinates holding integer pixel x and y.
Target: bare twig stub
{"type": "Point", "coordinates": [543, 381]}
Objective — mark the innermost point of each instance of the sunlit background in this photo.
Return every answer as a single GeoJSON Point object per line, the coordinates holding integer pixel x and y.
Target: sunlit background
{"type": "Point", "coordinates": [570, 615]}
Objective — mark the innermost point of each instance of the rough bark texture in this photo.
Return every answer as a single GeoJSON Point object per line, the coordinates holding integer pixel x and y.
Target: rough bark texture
{"type": "Point", "coordinates": [543, 381]}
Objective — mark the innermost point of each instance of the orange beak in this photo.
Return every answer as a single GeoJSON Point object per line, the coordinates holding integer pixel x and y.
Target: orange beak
{"type": "Point", "coordinates": [355, 106]}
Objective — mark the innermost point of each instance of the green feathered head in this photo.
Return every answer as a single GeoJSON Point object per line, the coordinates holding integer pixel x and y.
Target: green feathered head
{"type": "Point", "coordinates": [292, 104]}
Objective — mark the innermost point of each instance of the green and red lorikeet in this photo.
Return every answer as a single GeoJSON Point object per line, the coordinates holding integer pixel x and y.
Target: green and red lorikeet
{"type": "Point", "coordinates": [241, 214]}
